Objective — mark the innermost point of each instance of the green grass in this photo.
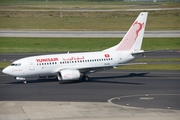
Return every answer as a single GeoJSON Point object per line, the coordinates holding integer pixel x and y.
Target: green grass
{"type": "Point", "coordinates": [20, 45]}
{"type": "Point", "coordinates": [71, 1]}
{"type": "Point", "coordinates": [158, 60]}
{"type": "Point", "coordinates": [114, 20]}
{"type": "Point", "coordinates": [82, 2]}
{"type": "Point", "coordinates": [4, 64]}
{"type": "Point", "coordinates": [161, 43]}
{"type": "Point", "coordinates": [51, 20]}
{"type": "Point", "coordinates": [151, 67]}
{"type": "Point", "coordinates": [53, 44]}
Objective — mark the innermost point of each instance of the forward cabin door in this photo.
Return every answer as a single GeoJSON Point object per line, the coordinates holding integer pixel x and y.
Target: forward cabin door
{"type": "Point", "coordinates": [31, 64]}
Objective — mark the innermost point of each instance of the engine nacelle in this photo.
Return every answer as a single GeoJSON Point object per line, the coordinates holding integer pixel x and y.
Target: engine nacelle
{"type": "Point", "coordinates": [20, 78]}
{"type": "Point", "coordinates": [68, 74]}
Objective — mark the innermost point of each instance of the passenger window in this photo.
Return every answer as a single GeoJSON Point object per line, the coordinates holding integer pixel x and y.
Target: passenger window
{"type": "Point", "coordinates": [12, 64]}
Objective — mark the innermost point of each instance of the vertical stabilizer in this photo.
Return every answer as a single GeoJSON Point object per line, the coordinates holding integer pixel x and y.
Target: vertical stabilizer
{"type": "Point", "coordinates": [132, 41]}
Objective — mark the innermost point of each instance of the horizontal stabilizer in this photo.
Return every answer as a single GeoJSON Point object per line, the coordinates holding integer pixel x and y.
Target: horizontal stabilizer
{"type": "Point", "coordinates": [132, 64]}
{"type": "Point", "coordinates": [143, 52]}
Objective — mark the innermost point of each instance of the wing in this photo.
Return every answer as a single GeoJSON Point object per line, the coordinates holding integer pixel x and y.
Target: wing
{"type": "Point", "coordinates": [95, 69]}
{"type": "Point", "coordinates": [85, 70]}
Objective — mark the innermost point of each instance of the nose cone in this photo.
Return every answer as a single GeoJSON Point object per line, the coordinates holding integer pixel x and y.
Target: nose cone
{"type": "Point", "coordinates": [5, 70]}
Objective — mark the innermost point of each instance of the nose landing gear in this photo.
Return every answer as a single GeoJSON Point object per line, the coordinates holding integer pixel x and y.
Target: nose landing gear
{"type": "Point", "coordinates": [24, 82]}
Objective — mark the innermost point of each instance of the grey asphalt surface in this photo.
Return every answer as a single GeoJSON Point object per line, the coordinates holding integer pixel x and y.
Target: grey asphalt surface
{"type": "Point", "coordinates": [82, 34]}
{"type": "Point", "coordinates": [93, 10]}
{"type": "Point", "coordinates": [102, 87]}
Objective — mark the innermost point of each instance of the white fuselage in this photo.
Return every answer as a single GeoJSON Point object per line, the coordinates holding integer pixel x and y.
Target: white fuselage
{"type": "Point", "coordinates": [46, 65]}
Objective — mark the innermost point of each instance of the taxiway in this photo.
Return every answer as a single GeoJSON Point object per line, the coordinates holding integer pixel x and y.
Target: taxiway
{"type": "Point", "coordinates": [83, 34]}
{"type": "Point", "coordinates": [149, 94]}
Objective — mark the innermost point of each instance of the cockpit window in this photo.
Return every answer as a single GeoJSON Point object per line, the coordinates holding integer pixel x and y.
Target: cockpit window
{"type": "Point", "coordinates": [16, 64]}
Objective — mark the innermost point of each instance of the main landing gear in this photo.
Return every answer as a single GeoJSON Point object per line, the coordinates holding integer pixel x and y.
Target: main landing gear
{"type": "Point", "coordinates": [85, 78]}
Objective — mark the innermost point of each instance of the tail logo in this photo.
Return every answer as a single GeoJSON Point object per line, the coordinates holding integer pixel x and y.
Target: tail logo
{"type": "Point", "coordinates": [140, 27]}
{"type": "Point", "coordinates": [130, 38]}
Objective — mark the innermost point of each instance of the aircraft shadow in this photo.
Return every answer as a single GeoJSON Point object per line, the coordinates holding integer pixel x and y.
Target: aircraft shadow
{"type": "Point", "coordinates": [33, 81]}
{"type": "Point", "coordinates": [131, 75]}
{"type": "Point", "coordinates": [125, 76]}
{"type": "Point", "coordinates": [107, 79]}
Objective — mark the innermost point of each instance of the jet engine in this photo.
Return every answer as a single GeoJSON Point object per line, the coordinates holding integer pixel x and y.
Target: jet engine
{"type": "Point", "coordinates": [68, 74]}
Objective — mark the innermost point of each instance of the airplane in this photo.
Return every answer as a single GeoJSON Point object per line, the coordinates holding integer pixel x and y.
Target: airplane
{"type": "Point", "coordinates": [75, 66]}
